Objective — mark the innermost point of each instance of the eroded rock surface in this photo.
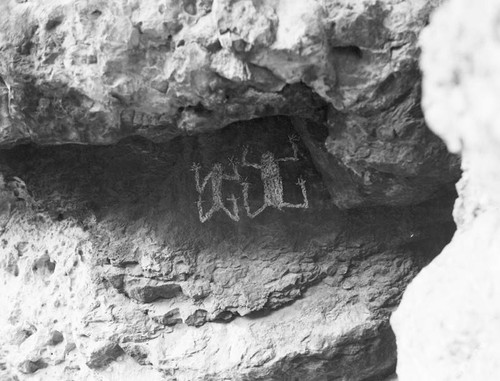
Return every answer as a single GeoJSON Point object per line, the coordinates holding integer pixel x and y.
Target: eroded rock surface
{"type": "Point", "coordinates": [275, 282]}
{"type": "Point", "coordinates": [252, 189]}
{"type": "Point", "coordinates": [96, 71]}
{"type": "Point", "coordinates": [447, 325]}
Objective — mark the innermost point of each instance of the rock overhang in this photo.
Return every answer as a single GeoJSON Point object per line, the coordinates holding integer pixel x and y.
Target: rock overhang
{"type": "Point", "coordinates": [96, 72]}
{"type": "Point", "coordinates": [169, 232]}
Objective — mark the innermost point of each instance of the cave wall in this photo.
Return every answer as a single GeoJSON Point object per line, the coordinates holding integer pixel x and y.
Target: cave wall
{"type": "Point", "coordinates": [226, 190]}
{"type": "Point", "coordinates": [97, 71]}
{"type": "Point", "coordinates": [124, 244]}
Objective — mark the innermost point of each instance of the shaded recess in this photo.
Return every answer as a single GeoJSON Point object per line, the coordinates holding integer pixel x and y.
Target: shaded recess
{"type": "Point", "coordinates": [151, 245]}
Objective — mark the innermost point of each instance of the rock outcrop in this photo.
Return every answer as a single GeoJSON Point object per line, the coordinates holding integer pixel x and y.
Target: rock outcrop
{"type": "Point", "coordinates": [252, 188]}
{"type": "Point", "coordinates": [120, 249]}
{"type": "Point", "coordinates": [97, 71]}
{"type": "Point", "coordinates": [447, 325]}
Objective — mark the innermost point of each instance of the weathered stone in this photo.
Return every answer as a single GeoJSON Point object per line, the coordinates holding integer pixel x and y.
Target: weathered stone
{"type": "Point", "coordinates": [138, 352]}
{"type": "Point", "coordinates": [56, 337]}
{"type": "Point", "coordinates": [22, 333]}
{"type": "Point", "coordinates": [29, 367]}
{"type": "Point", "coordinates": [253, 188]}
{"type": "Point", "coordinates": [104, 354]}
{"type": "Point", "coordinates": [161, 71]}
{"type": "Point", "coordinates": [150, 293]}
{"type": "Point", "coordinates": [170, 318]}
{"type": "Point", "coordinates": [44, 264]}
{"type": "Point", "coordinates": [197, 319]}
{"type": "Point", "coordinates": [360, 169]}
{"type": "Point", "coordinates": [69, 348]}
{"type": "Point", "coordinates": [447, 325]}
{"type": "Point", "coordinates": [236, 280]}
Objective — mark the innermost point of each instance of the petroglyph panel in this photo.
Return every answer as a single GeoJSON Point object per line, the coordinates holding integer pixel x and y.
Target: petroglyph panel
{"type": "Point", "coordinates": [269, 186]}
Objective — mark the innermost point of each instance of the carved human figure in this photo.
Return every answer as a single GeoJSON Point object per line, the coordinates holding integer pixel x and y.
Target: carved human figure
{"type": "Point", "coordinates": [272, 181]}
{"type": "Point", "coordinates": [216, 176]}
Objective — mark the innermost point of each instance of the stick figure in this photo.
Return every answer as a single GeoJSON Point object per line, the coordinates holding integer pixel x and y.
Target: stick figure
{"type": "Point", "coordinates": [216, 176]}
{"type": "Point", "coordinates": [271, 179]}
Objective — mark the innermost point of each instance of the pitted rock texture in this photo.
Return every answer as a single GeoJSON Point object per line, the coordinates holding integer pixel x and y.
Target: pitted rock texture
{"type": "Point", "coordinates": [252, 189]}
{"type": "Point", "coordinates": [97, 71]}
{"type": "Point", "coordinates": [447, 325]}
{"type": "Point", "coordinates": [109, 250]}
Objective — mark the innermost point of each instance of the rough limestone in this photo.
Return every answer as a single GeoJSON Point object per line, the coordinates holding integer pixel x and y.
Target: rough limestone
{"type": "Point", "coordinates": [447, 326]}
{"type": "Point", "coordinates": [112, 245]}
{"type": "Point", "coordinates": [212, 190]}
{"type": "Point", "coordinates": [95, 71]}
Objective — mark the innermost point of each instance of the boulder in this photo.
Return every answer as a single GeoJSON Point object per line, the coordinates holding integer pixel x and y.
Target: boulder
{"type": "Point", "coordinates": [447, 324]}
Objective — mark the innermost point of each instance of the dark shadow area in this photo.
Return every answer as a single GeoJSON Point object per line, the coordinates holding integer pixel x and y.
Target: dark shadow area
{"type": "Point", "coordinates": [244, 212]}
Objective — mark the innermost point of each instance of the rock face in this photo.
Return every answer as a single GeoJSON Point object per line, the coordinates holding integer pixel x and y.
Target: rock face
{"type": "Point", "coordinates": [253, 188]}
{"type": "Point", "coordinates": [447, 325]}
{"type": "Point", "coordinates": [96, 71]}
{"type": "Point", "coordinates": [242, 273]}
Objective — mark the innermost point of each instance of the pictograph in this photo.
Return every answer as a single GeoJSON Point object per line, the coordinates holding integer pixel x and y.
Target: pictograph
{"type": "Point", "coordinates": [216, 176]}
{"type": "Point", "coordinates": [270, 176]}
{"type": "Point", "coordinates": [272, 181]}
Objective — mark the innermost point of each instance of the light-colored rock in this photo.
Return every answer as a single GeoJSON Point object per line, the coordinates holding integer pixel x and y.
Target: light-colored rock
{"type": "Point", "coordinates": [447, 326]}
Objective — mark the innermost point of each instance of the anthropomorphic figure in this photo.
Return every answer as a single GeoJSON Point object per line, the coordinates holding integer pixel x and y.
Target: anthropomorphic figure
{"type": "Point", "coordinates": [216, 177]}
{"type": "Point", "coordinates": [272, 182]}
